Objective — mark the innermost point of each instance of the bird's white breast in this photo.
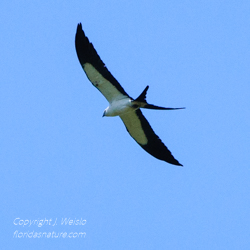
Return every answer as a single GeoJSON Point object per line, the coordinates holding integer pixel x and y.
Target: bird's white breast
{"type": "Point", "coordinates": [119, 107]}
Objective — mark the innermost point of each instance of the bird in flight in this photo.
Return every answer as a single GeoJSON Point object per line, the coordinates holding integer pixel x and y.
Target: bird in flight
{"type": "Point", "coordinates": [120, 103]}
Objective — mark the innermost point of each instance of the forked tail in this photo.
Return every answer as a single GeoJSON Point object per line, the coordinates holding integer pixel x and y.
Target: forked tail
{"type": "Point", "coordinates": [141, 102]}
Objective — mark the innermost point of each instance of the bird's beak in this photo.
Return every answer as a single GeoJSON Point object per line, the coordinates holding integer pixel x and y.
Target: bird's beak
{"type": "Point", "coordinates": [103, 114]}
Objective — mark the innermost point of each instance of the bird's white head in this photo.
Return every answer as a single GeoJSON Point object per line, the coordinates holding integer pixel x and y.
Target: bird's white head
{"type": "Point", "coordinates": [105, 112]}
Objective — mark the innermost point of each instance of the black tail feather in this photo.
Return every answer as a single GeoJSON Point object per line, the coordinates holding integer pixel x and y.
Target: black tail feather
{"type": "Point", "coordinates": [142, 96]}
{"type": "Point", "coordinates": [151, 106]}
{"type": "Point", "coordinates": [141, 102]}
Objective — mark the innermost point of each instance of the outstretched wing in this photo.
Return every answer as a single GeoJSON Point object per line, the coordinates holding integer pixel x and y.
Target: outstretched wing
{"type": "Point", "coordinates": [139, 128]}
{"type": "Point", "coordinates": [95, 69]}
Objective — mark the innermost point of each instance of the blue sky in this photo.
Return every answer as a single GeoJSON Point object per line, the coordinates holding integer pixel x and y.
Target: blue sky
{"type": "Point", "coordinates": [60, 159]}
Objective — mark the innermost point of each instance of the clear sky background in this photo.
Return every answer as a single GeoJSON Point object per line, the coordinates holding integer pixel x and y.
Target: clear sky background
{"type": "Point", "coordinates": [60, 159]}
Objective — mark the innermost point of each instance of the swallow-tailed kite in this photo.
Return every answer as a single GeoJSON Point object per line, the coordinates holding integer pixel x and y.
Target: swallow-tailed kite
{"type": "Point", "coordinates": [120, 103]}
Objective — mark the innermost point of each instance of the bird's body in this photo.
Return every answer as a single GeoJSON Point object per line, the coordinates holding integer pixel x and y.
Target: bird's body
{"type": "Point", "coordinates": [120, 103]}
{"type": "Point", "coordinates": [119, 107]}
